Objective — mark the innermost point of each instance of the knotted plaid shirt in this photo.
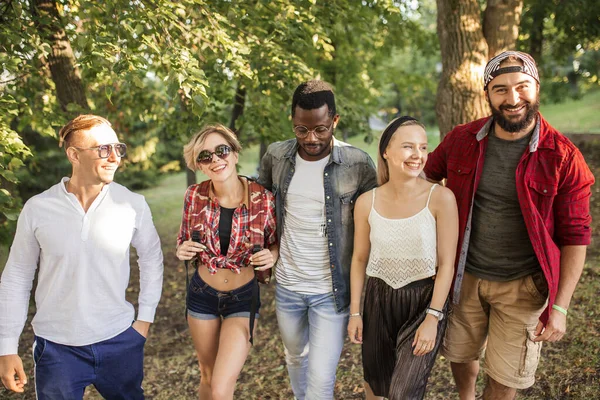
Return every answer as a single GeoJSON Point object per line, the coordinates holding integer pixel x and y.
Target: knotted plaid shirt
{"type": "Point", "coordinates": [202, 214]}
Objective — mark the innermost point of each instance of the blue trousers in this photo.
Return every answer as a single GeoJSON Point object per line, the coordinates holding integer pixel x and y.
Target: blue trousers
{"type": "Point", "coordinates": [115, 367]}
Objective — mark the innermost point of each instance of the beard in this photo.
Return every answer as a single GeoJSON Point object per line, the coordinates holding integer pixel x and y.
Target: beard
{"type": "Point", "coordinates": [515, 125]}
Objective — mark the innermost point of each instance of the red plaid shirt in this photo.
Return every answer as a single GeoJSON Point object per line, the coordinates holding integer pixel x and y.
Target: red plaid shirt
{"type": "Point", "coordinates": [553, 186]}
{"type": "Point", "coordinates": [206, 221]}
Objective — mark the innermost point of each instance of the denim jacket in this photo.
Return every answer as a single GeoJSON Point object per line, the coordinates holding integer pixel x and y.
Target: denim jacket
{"type": "Point", "coordinates": [349, 173]}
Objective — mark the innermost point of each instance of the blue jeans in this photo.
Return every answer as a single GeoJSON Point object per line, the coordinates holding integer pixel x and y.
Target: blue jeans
{"type": "Point", "coordinates": [114, 366]}
{"type": "Point", "coordinates": [313, 335]}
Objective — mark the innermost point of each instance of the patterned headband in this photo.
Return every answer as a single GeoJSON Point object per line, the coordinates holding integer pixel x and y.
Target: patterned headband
{"type": "Point", "coordinates": [492, 69]}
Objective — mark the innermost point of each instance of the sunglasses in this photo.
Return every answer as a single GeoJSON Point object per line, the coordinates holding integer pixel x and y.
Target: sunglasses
{"type": "Point", "coordinates": [105, 150]}
{"type": "Point", "coordinates": [222, 151]}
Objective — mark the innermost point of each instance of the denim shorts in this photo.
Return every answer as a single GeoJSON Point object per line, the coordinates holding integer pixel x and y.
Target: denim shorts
{"type": "Point", "coordinates": [206, 302]}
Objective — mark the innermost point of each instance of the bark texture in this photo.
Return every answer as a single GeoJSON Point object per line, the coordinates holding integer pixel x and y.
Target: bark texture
{"type": "Point", "coordinates": [238, 106]}
{"type": "Point", "coordinates": [65, 75]}
{"type": "Point", "coordinates": [460, 96]}
{"type": "Point", "coordinates": [536, 34]}
{"type": "Point", "coordinates": [501, 21]}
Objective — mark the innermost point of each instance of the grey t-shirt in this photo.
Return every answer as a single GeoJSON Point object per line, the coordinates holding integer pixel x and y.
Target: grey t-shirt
{"type": "Point", "coordinates": [500, 248]}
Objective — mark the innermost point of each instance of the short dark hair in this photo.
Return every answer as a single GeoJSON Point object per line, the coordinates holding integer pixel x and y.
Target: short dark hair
{"type": "Point", "coordinates": [314, 94]}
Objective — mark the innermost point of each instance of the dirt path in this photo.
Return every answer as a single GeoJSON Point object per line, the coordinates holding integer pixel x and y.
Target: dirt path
{"type": "Point", "coordinates": [569, 369]}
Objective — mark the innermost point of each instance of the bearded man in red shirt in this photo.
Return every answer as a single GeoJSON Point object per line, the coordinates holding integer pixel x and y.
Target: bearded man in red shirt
{"type": "Point", "coordinates": [523, 193]}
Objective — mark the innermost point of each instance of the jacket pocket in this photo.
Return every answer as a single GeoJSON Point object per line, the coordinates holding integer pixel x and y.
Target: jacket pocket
{"type": "Point", "coordinates": [457, 169]}
{"type": "Point", "coordinates": [542, 196]}
{"type": "Point", "coordinates": [347, 201]}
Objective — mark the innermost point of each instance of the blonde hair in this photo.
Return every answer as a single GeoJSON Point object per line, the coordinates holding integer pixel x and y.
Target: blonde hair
{"type": "Point", "coordinates": [194, 146]}
{"type": "Point", "coordinates": [79, 124]}
{"type": "Point", "coordinates": [383, 171]}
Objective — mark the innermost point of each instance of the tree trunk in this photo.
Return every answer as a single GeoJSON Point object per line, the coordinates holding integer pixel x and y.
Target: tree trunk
{"type": "Point", "coordinates": [190, 177]}
{"type": "Point", "coordinates": [536, 34]}
{"type": "Point", "coordinates": [66, 76]}
{"type": "Point", "coordinates": [460, 96]}
{"type": "Point", "coordinates": [501, 21]}
{"type": "Point", "coordinates": [238, 106]}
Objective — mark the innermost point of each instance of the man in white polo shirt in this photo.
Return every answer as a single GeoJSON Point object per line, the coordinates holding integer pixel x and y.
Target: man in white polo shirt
{"type": "Point", "coordinates": [79, 232]}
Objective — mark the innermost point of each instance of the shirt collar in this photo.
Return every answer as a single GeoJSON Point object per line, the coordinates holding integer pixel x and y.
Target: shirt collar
{"type": "Point", "coordinates": [533, 142]}
{"type": "Point", "coordinates": [245, 201]}
{"type": "Point", "coordinates": [335, 155]}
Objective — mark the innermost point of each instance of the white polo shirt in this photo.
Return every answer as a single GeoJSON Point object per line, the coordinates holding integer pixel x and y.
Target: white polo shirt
{"type": "Point", "coordinates": [83, 259]}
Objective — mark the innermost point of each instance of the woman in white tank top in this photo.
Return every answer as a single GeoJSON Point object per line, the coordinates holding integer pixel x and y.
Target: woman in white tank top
{"type": "Point", "coordinates": [405, 240]}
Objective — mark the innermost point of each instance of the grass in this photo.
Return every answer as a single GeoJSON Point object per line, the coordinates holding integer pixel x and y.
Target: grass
{"type": "Point", "coordinates": [575, 116]}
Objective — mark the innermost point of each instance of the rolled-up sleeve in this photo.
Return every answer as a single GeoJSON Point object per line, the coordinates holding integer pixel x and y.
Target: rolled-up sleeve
{"type": "Point", "coordinates": [150, 261]}
{"type": "Point", "coordinates": [16, 283]}
{"type": "Point", "coordinates": [572, 203]}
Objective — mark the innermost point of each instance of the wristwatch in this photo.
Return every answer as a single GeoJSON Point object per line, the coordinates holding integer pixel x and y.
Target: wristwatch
{"type": "Point", "coordinates": [436, 313]}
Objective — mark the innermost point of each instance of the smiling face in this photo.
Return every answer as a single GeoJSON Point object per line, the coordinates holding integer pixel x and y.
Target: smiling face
{"type": "Point", "coordinates": [406, 153]}
{"type": "Point", "coordinates": [315, 147]}
{"type": "Point", "coordinates": [514, 100]}
{"type": "Point", "coordinates": [219, 169]}
{"type": "Point", "coordinates": [87, 164]}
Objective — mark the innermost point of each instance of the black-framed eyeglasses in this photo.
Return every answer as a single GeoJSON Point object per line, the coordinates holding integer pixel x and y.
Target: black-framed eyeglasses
{"type": "Point", "coordinates": [105, 150]}
{"type": "Point", "coordinates": [222, 151]}
{"type": "Point", "coordinates": [320, 131]}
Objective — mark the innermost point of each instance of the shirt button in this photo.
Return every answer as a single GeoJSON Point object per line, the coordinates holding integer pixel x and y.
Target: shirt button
{"type": "Point", "coordinates": [326, 174]}
{"type": "Point", "coordinates": [545, 191]}
{"type": "Point", "coordinates": [327, 197]}
{"type": "Point", "coordinates": [332, 266]}
{"type": "Point", "coordinates": [459, 170]}
{"type": "Point", "coordinates": [335, 290]}
{"type": "Point", "coordinates": [329, 220]}
{"type": "Point", "coordinates": [330, 244]}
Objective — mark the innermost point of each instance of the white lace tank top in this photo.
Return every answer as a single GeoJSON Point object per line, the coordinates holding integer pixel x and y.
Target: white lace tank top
{"type": "Point", "coordinates": [403, 250]}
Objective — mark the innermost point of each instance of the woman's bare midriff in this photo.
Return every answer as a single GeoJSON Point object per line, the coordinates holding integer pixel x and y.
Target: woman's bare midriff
{"type": "Point", "coordinates": [226, 280]}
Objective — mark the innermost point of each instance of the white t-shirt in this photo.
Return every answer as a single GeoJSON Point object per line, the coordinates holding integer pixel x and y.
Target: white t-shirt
{"type": "Point", "coordinates": [303, 264]}
{"type": "Point", "coordinates": [84, 267]}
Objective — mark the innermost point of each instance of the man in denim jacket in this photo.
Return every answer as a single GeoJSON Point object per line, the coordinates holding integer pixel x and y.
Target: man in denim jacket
{"type": "Point", "coordinates": [316, 180]}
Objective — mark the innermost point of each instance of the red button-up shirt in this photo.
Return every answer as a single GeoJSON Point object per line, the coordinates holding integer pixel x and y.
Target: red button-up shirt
{"type": "Point", "coordinates": [553, 187]}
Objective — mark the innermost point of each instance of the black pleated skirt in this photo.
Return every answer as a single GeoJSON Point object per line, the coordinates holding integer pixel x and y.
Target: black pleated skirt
{"type": "Point", "coordinates": [391, 318]}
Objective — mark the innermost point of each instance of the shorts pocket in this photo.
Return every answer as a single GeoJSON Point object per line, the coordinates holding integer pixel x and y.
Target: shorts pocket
{"type": "Point", "coordinates": [530, 355]}
{"type": "Point", "coordinates": [245, 295]}
{"type": "Point", "coordinates": [195, 286]}
{"type": "Point", "coordinates": [39, 348]}
{"type": "Point", "coordinates": [535, 286]}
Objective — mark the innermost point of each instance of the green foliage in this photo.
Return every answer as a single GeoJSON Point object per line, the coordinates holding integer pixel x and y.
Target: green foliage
{"type": "Point", "coordinates": [570, 45]}
{"type": "Point", "coordinates": [160, 69]}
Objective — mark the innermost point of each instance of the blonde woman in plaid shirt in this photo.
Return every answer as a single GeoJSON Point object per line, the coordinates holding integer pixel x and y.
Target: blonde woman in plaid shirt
{"type": "Point", "coordinates": [221, 290]}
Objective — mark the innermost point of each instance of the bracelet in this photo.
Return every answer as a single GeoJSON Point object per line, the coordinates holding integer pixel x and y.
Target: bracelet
{"type": "Point", "coordinates": [559, 309]}
{"type": "Point", "coordinates": [355, 314]}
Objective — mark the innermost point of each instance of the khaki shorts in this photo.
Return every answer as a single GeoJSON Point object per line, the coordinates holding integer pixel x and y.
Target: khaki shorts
{"type": "Point", "coordinates": [505, 315]}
